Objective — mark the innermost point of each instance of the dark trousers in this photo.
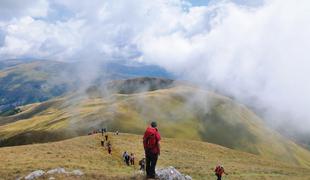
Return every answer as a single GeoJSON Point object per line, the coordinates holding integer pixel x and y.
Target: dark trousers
{"type": "Point", "coordinates": [219, 177]}
{"type": "Point", "coordinates": [127, 162]}
{"type": "Point", "coordinates": [151, 160]}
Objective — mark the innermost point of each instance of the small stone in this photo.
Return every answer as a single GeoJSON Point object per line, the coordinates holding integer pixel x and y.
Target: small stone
{"type": "Point", "coordinates": [51, 178]}
{"type": "Point", "coordinates": [77, 172]}
{"type": "Point", "coordinates": [187, 177]}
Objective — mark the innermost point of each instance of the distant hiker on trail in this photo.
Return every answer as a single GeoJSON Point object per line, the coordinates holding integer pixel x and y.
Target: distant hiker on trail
{"type": "Point", "coordinates": [102, 131]}
{"type": "Point", "coordinates": [127, 159]}
{"type": "Point", "coordinates": [102, 142]}
{"type": "Point", "coordinates": [151, 145]}
{"type": "Point", "coordinates": [219, 170]}
{"type": "Point", "coordinates": [132, 159]}
{"type": "Point", "coordinates": [109, 148]}
{"type": "Point", "coordinates": [106, 136]}
{"type": "Point", "coordinates": [124, 155]}
{"type": "Point", "coordinates": [142, 164]}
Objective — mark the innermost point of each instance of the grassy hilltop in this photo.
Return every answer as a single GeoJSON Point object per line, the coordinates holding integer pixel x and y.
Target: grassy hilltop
{"type": "Point", "coordinates": [194, 158]}
{"type": "Point", "coordinates": [182, 112]}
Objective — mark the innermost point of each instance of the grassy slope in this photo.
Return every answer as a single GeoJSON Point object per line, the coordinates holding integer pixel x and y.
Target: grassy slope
{"type": "Point", "coordinates": [182, 112]}
{"type": "Point", "coordinates": [190, 157]}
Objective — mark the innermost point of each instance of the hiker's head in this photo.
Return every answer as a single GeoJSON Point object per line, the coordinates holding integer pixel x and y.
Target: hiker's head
{"type": "Point", "coordinates": [154, 124]}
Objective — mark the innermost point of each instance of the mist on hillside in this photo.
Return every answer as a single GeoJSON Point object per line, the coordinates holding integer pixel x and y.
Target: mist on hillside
{"type": "Point", "coordinates": [255, 53]}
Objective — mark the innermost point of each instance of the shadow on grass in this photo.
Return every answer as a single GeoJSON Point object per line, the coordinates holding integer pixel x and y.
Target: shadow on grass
{"type": "Point", "coordinates": [217, 130]}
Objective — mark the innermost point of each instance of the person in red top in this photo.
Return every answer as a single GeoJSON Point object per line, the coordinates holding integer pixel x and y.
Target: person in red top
{"type": "Point", "coordinates": [151, 140]}
{"type": "Point", "coordinates": [219, 171]}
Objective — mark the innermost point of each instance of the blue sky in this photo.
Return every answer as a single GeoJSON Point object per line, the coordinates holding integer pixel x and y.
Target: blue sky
{"type": "Point", "coordinates": [240, 2]}
{"type": "Point", "coordinates": [199, 2]}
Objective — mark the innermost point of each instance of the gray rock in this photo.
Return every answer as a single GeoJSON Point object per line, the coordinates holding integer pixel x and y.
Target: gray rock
{"type": "Point", "coordinates": [77, 172]}
{"type": "Point", "coordinates": [57, 171]}
{"type": "Point", "coordinates": [51, 178]}
{"type": "Point", "coordinates": [171, 173]}
{"type": "Point", "coordinates": [35, 174]}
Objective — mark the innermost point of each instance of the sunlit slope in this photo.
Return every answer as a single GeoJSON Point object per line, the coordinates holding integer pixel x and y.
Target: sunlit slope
{"type": "Point", "coordinates": [194, 158]}
{"type": "Point", "coordinates": [182, 112]}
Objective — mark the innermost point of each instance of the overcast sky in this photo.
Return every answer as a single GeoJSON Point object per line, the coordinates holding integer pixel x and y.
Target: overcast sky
{"type": "Point", "coordinates": [256, 51]}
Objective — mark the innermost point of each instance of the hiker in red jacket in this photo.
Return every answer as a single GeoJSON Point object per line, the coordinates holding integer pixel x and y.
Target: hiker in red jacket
{"type": "Point", "coordinates": [151, 140]}
{"type": "Point", "coordinates": [109, 148]}
{"type": "Point", "coordinates": [219, 171]}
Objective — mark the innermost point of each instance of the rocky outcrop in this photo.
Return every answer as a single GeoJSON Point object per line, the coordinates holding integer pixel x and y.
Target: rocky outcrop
{"type": "Point", "coordinates": [171, 173]}
{"type": "Point", "coordinates": [40, 173]}
{"type": "Point", "coordinates": [35, 174]}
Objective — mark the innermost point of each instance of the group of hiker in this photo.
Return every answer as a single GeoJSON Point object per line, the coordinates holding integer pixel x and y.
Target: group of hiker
{"type": "Point", "coordinates": [129, 159]}
{"type": "Point", "coordinates": [151, 146]}
{"type": "Point", "coordinates": [105, 142]}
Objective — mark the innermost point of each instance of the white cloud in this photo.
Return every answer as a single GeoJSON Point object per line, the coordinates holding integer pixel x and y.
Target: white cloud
{"type": "Point", "coordinates": [36, 38]}
{"type": "Point", "coordinates": [253, 54]}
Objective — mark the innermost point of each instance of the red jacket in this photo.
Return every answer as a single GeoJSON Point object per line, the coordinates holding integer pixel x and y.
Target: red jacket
{"type": "Point", "coordinates": [149, 131]}
{"type": "Point", "coordinates": [219, 170]}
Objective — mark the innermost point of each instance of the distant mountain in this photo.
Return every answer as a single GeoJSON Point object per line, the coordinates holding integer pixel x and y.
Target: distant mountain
{"type": "Point", "coordinates": [130, 70]}
{"type": "Point", "coordinates": [130, 86]}
{"type": "Point", "coordinates": [28, 81]}
{"type": "Point", "coordinates": [32, 81]}
{"type": "Point", "coordinates": [12, 62]}
{"type": "Point", "coordinates": [182, 111]}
